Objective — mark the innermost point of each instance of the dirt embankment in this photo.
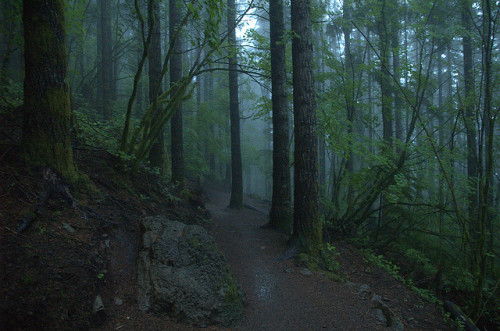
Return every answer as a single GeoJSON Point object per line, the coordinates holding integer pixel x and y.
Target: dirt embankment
{"type": "Point", "coordinates": [73, 251]}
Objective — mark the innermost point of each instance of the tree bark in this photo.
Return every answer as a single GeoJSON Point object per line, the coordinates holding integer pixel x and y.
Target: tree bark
{"type": "Point", "coordinates": [350, 93]}
{"type": "Point", "coordinates": [469, 119]}
{"type": "Point", "coordinates": [236, 200]}
{"type": "Point", "coordinates": [398, 99]}
{"type": "Point", "coordinates": [177, 141]}
{"type": "Point", "coordinates": [307, 231]}
{"type": "Point", "coordinates": [106, 67]}
{"type": "Point", "coordinates": [46, 127]}
{"type": "Point", "coordinates": [384, 79]}
{"type": "Point", "coordinates": [157, 152]}
{"type": "Point", "coordinates": [280, 214]}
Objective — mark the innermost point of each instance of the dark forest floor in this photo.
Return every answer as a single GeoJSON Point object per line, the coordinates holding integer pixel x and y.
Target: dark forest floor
{"type": "Point", "coordinates": [52, 272]}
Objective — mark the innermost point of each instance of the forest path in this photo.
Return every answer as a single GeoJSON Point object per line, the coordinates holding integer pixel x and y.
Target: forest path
{"type": "Point", "coordinates": [279, 296]}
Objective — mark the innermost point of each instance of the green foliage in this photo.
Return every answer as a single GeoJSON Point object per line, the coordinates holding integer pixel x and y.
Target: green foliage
{"type": "Point", "coordinates": [382, 263]}
{"type": "Point", "coordinates": [11, 95]}
{"type": "Point", "coordinates": [394, 270]}
{"type": "Point", "coordinates": [326, 263]}
{"type": "Point", "coordinates": [329, 257]}
{"type": "Point", "coordinates": [420, 262]}
{"type": "Point", "coordinates": [91, 130]}
{"type": "Point", "coordinates": [457, 278]}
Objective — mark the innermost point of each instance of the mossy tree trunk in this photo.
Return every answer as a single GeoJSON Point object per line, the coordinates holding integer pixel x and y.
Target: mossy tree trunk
{"type": "Point", "coordinates": [280, 214]}
{"type": "Point", "coordinates": [157, 153]}
{"type": "Point", "coordinates": [46, 127]}
{"type": "Point", "coordinates": [307, 231]}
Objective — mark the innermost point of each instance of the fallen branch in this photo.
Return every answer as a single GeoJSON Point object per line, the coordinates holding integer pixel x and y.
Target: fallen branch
{"type": "Point", "coordinates": [457, 314]}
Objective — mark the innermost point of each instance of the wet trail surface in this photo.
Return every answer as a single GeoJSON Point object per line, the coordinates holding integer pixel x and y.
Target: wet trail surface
{"type": "Point", "coordinates": [279, 296]}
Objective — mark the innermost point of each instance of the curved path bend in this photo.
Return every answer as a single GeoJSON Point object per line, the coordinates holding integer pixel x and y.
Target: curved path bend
{"type": "Point", "coordinates": [279, 296]}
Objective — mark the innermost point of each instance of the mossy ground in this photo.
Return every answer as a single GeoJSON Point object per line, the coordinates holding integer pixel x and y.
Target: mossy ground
{"type": "Point", "coordinates": [325, 264]}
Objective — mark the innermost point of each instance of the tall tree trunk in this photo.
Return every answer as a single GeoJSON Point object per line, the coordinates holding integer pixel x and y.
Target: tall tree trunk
{"type": "Point", "coordinates": [441, 144]}
{"type": "Point", "coordinates": [177, 141]}
{"type": "Point", "coordinates": [280, 214]}
{"type": "Point", "coordinates": [157, 152]}
{"type": "Point", "coordinates": [385, 89]}
{"type": "Point", "coordinates": [449, 97]}
{"type": "Point", "coordinates": [370, 98]}
{"type": "Point", "coordinates": [46, 127]}
{"type": "Point", "coordinates": [236, 200]}
{"type": "Point", "coordinates": [384, 78]}
{"type": "Point", "coordinates": [207, 96]}
{"type": "Point", "coordinates": [307, 231]}
{"type": "Point", "coordinates": [469, 109]}
{"type": "Point", "coordinates": [398, 100]}
{"type": "Point", "coordinates": [106, 68]}
{"type": "Point", "coordinates": [486, 161]}
{"type": "Point", "coordinates": [470, 122]}
{"type": "Point", "coordinates": [350, 94]}
{"type": "Point", "coordinates": [322, 167]}
{"type": "Point", "coordinates": [7, 43]}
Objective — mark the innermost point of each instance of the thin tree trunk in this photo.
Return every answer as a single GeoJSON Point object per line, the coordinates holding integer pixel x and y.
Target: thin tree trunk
{"type": "Point", "coordinates": [398, 101]}
{"type": "Point", "coordinates": [106, 62]}
{"type": "Point", "coordinates": [384, 79]}
{"type": "Point", "coordinates": [177, 140]}
{"type": "Point", "coordinates": [236, 200]}
{"type": "Point", "coordinates": [469, 119]}
{"type": "Point", "coordinates": [350, 94]}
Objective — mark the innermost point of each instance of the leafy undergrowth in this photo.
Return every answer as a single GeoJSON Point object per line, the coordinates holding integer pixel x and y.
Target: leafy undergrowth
{"type": "Point", "coordinates": [53, 270]}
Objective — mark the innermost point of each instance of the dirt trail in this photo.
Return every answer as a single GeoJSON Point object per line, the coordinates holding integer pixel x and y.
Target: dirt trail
{"type": "Point", "coordinates": [279, 296]}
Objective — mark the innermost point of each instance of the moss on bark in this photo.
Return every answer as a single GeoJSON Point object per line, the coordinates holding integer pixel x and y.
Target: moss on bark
{"type": "Point", "coordinates": [46, 127]}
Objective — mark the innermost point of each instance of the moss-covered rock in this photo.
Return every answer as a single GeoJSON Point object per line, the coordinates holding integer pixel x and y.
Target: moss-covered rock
{"type": "Point", "coordinates": [183, 274]}
{"type": "Point", "coordinates": [325, 265]}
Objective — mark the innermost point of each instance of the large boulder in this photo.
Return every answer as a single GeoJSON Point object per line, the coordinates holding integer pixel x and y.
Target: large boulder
{"type": "Point", "coordinates": [183, 274]}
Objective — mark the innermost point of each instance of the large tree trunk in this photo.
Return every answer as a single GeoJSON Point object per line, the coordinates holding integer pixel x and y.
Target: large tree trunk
{"type": "Point", "coordinates": [46, 128]}
{"type": "Point", "coordinates": [177, 141]}
{"type": "Point", "coordinates": [157, 152]}
{"type": "Point", "coordinates": [236, 200]}
{"type": "Point", "coordinates": [280, 214]}
{"type": "Point", "coordinates": [307, 231]}
{"type": "Point", "coordinates": [106, 66]}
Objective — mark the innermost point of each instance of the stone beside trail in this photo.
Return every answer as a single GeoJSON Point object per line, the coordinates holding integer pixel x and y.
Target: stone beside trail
{"type": "Point", "coordinates": [183, 274]}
